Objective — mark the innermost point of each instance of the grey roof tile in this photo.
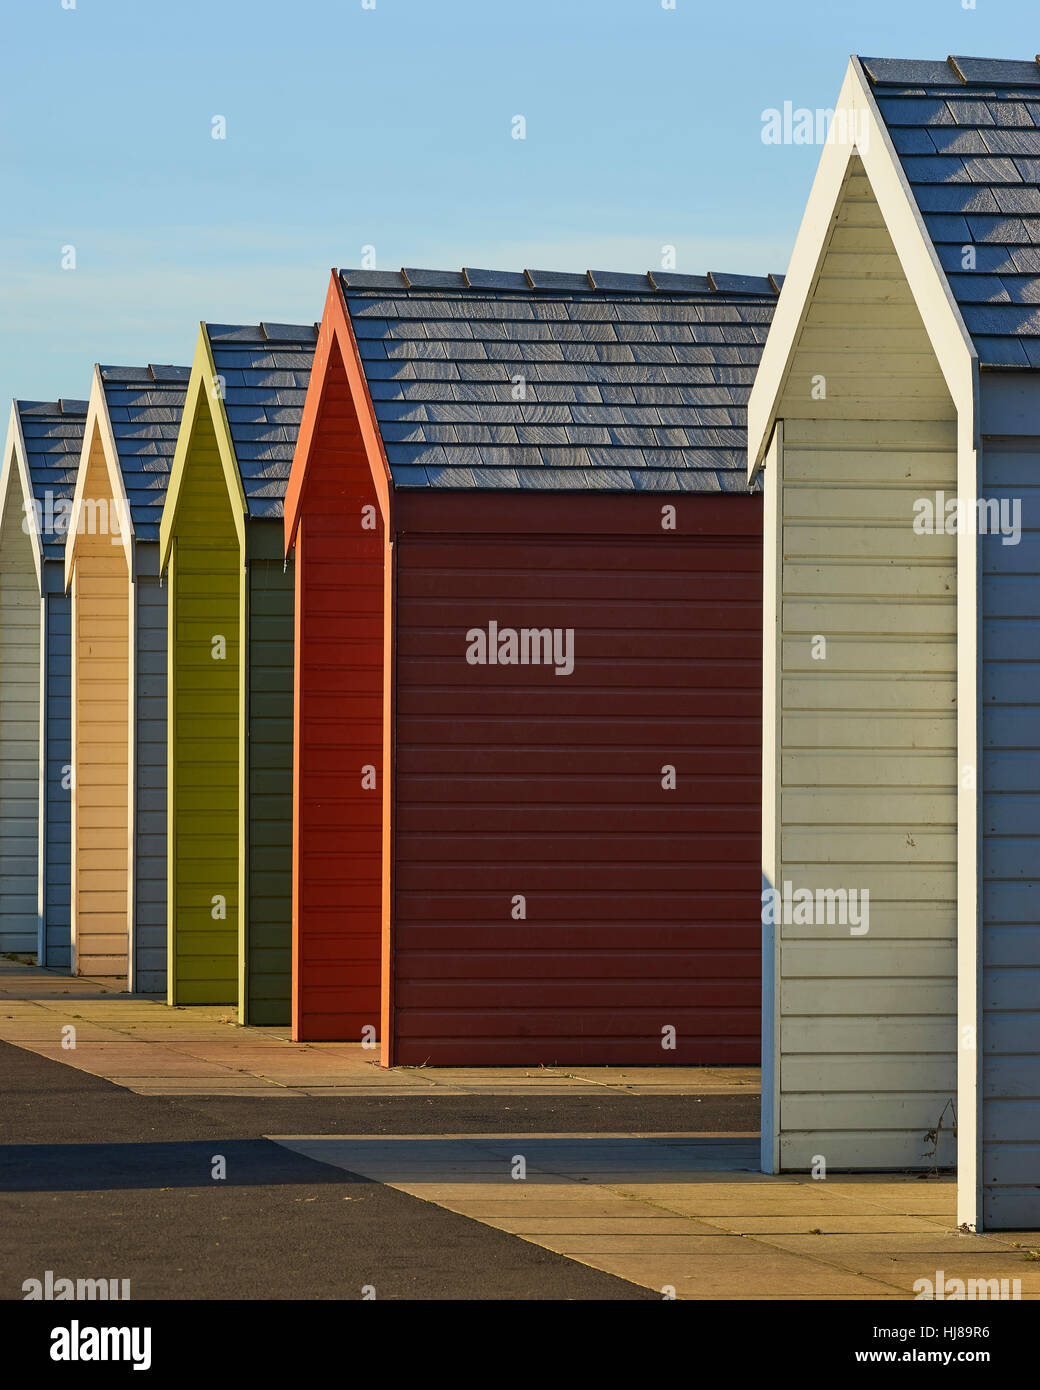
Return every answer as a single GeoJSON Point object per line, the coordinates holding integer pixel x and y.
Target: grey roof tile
{"type": "Point", "coordinates": [145, 406]}
{"type": "Point", "coordinates": [907, 71]}
{"type": "Point", "coordinates": [265, 368]}
{"type": "Point", "coordinates": [915, 111]}
{"type": "Point", "coordinates": [997, 71]}
{"type": "Point", "coordinates": [1012, 142]}
{"type": "Point", "coordinates": [950, 140]}
{"type": "Point", "coordinates": [616, 282]}
{"type": "Point", "coordinates": [547, 379]}
{"type": "Point", "coordinates": [53, 435]}
{"type": "Point", "coordinates": [921, 140]}
{"type": "Point", "coordinates": [434, 279]}
{"type": "Point", "coordinates": [495, 279]}
{"type": "Point", "coordinates": [981, 190]}
{"type": "Point", "coordinates": [557, 280]}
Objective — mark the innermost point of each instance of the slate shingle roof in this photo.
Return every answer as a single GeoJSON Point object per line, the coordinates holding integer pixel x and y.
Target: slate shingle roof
{"type": "Point", "coordinates": [266, 368]}
{"type": "Point", "coordinates": [632, 382]}
{"type": "Point", "coordinates": [967, 132]}
{"type": "Point", "coordinates": [145, 405]}
{"type": "Point", "coordinates": [53, 434]}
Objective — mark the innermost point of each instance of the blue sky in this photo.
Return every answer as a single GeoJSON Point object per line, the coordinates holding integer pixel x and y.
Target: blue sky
{"type": "Point", "coordinates": [391, 127]}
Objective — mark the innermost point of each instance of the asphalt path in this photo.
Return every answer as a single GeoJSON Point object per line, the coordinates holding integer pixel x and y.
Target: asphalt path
{"type": "Point", "coordinates": [97, 1182]}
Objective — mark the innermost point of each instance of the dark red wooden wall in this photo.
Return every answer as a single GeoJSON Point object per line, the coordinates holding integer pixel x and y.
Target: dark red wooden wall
{"type": "Point", "coordinates": [337, 849]}
{"type": "Point", "coordinates": [642, 904]}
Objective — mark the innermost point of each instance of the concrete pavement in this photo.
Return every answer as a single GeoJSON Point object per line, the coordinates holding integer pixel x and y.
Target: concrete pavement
{"type": "Point", "coordinates": [150, 1048]}
{"type": "Point", "coordinates": [690, 1217]}
{"type": "Point", "coordinates": [622, 1173]}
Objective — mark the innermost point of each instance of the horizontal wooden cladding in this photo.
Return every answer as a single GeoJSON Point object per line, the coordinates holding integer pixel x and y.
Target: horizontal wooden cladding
{"type": "Point", "coordinates": [19, 735]}
{"type": "Point", "coordinates": [576, 921]}
{"type": "Point", "coordinates": [338, 829]}
{"type": "Point", "coordinates": [101, 911]}
{"type": "Point", "coordinates": [550, 762]}
{"type": "Point", "coordinates": [627, 793]}
{"type": "Point", "coordinates": [56, 735]}
{"type": "Point", "coordinates": [1010, 940]}
{"type": "Point", "coordinates": [606, 841]}
{"type": "Point", "coordinates": [566, 515]}
{"type": "Point", "coordinates": [203, 760]}
{"type": "Point", "coordinates": [551, 975]}
{"type": "Point", "coordinates": [268, 943]}
{"type": "Point", "coordinates": [866, 724]}
{"type": "Point", "coordinates": [580, 1041]}
{"type": "Point", "coordinates": [668, 734]}
{"type": "Point", "coordinates": [641, 903]}
{"type": "Point", "coordinates": [578, 1008]}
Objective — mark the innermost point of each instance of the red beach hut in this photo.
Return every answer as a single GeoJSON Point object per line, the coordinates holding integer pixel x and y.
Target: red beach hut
{"type": "Point", "coordinates": [528, 669]}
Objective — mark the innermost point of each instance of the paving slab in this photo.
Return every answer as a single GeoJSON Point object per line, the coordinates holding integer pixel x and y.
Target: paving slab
{"type": "Point", "coordinates": [679, 1211]}
{"type": "Point", "coordinates": [205, 1044]}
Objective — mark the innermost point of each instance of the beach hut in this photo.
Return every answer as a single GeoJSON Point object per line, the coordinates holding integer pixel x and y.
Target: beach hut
{"type": "Point", "coordinates": [118, 894]}
{"type": "Point", "coordinates": [39, 473]}
{"type": "Point", "coordinates": [528, 669]}
{"type": "Point", "coordinates": [230, 671]}
{"type": "Point", "coordinates": [895, 421]}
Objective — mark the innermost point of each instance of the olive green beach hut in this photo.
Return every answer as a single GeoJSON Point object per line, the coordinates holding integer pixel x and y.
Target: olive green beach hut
{"type": "Point", "coordinates": [230, 673]}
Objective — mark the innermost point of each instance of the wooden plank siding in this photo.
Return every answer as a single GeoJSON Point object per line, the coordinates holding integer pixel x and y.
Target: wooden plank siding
{"type": "Point", "coordinates": [101, 619]}
{"type": "Point", "coordinates": [338, 852]}
{"type": "Point", "coordinates": [56, 826]}
{"type": "Point", "coordinates": [269, 749]}
{"type": "Point", "coordinates": [150, 781]}
{"type": "Point", "coordinates": [867, 736]}
{"type": "Point", "coordinates": [19, 732]}
{"type": "Point", "coordinates": [1009, 1035]}
{"type": "Point", "coordinates": [205, 578]}
{"type": "Point", "coordinates": [640, 902]}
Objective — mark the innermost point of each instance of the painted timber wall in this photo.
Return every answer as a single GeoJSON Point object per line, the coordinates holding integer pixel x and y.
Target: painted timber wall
{"type": "Point", "coordinates": [204, 581]}
{"type": "Point", "coordinates": [509, 846]}
{"type": "Point", "coordinates": [861, 755]}
{"type": "Point", "coordinates": [230, 683]}
{"type": "Point", "coordinates": [639, 886]}
{"type": "Point", "coordinates": [56, 822]}
{"type": "Point", "coordinates": [149, 795]}
{"type": "Point", "coordinates": [101, 657]}
{"type": "Point", "coordinates": [40, 463]}
{"type": "Point", "coordinates": [268, 790]}
{"type": "Point", "coordinates": [118, 678]}
{"type": "Point", "coordinates": [338, 767]}
{"type": "Point", "coordinates": [1008, 1044]}
{"type": "Point", "coordinates": [20, 645]}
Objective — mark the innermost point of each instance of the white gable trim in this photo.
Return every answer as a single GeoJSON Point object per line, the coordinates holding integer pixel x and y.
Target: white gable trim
{"type": "Point", "coordinates": [857, 111]}
{"type": "Point", "coordinates": [98, 418]}
{"type": "Point", "coordinates": [15, 457]}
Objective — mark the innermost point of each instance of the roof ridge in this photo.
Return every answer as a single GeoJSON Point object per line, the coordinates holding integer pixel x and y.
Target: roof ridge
{"type": "Point", "coordinates": [264, 330]}
{"type": "Point", "coordinates": [591, 282]}
{"type": "Point", "coordinates": [954, 70]}
{"type": "Point", "coordinates": [64, 405]}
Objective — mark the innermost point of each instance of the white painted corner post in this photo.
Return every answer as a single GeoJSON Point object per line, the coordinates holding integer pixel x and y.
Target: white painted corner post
{"type": "Point", "coordinates": [970, 1017]}
{"type": "Point", "coordinates": [772, 671]}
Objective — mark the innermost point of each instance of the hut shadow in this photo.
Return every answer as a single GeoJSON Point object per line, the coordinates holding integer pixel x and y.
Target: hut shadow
{"type": "Point", "coordinates": [627, 1160]}
{"type": "Point", "coordinates": [155, 1166]}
